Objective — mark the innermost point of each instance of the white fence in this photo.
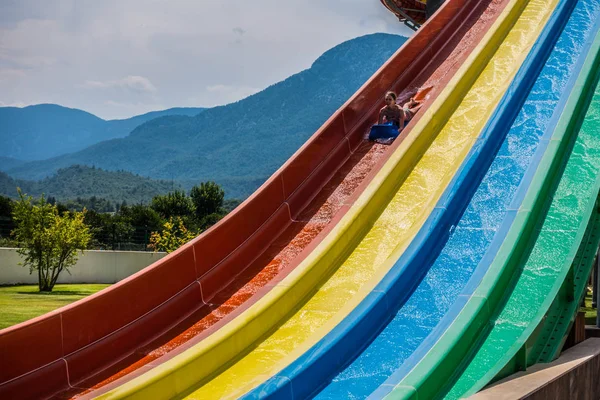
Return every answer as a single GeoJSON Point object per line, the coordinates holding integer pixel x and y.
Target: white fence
{"type": "Point", "coordinates": [94, 266]}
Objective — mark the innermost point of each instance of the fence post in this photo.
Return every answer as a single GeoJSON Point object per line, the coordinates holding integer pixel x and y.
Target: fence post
{"type": "Point", "coordinates": [114, 236]}
{"type": "Point", "coordinates": [146, 238]}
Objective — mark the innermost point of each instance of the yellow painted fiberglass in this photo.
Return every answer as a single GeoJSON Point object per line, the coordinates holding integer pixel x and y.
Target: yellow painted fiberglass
{"type": "Point", "coordinates": [362, 248]}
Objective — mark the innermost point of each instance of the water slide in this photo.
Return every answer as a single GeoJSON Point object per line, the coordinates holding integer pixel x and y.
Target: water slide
{"type": "Point", "coordinates": [456, 253]}
{"type": "Point", "coordinates": [520, 313]}
{"type": "Point", "coordinates": [347, 265]}
{"type": "Point", "coordinates": [101, 342]}
{"type": "Point", "coordinates": [429, 243]}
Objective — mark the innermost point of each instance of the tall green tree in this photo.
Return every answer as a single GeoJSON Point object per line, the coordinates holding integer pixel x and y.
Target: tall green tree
{"type": "Point", "coordinates": [48, 242]}
{"type": "Point", "coordinates": [173, 204]}
{"type": "Point", "coordinates": [208, 199]}
{"type": "Point", "coordinates": [144, 221]}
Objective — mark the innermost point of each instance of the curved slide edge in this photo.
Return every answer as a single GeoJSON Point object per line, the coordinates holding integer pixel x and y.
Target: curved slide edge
{"type": "Point", "coordinates": [437, 370]}
{"type": "Point", "coordinates": [204, 360]}
{"type": "Point", "coordinates": [69, 343]}
{"type": "Point", "coordinates": [310, 371]}
{"type": "Point", "coordinates": [549, 339]}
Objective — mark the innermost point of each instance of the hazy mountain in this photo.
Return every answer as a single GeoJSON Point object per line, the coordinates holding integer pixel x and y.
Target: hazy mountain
{"type": "Point", "coordinates": [7, 163]}
{"type": "Point", "coordinates": [81, 181]}
{"type": "Point", "coordinates": [48, 130]}
{"type": "Point", "coordinates": [238, 145]}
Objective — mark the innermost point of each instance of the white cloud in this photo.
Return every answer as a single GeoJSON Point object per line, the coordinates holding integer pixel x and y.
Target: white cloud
{"type": "Point", "coordinates": [135, 83]}
{"type": "Point", "coordinates": [19, 104]}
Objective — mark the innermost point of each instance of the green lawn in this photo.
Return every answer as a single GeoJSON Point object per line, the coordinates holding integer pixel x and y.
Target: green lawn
{"type": "Point", "coordinates": [20, 303]}
{"type": "Point", "coordinates": [590, 313]}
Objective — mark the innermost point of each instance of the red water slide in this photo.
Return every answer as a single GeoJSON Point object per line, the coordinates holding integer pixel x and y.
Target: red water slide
{"type": "Point", "coordinates": [132, 326]}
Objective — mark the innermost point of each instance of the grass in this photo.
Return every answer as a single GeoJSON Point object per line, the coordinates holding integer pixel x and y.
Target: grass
{"type": "Point", "coordinates": [590, 313]}
{"type": "Point", "coordinates": [20, 303]}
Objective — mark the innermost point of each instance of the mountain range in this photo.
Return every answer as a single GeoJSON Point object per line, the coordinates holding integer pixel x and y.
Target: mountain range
{"type": "Point", "coordinates": [47, 130]}
{"type": "Point", "coordinates": [238, 145]}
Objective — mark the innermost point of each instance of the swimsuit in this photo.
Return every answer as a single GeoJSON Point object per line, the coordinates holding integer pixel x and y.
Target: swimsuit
{"type": "Point", "coordinates": [392, 115]}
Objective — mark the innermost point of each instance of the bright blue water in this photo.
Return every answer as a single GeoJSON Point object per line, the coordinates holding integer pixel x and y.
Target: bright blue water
{"type": "Point", "coordinates": [474, 233]}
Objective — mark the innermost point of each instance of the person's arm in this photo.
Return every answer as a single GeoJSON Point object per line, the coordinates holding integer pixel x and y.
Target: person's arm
{"type": "Point", "coordinates": [402, 119]}
{"type": "Point", "coordinates": [380, 120]}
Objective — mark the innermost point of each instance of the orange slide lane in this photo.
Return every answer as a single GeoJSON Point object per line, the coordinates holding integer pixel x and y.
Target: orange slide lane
{"type": "Point", "coordinates": [173, 304]}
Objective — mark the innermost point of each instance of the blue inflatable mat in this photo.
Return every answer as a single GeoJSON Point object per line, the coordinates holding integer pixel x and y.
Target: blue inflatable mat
{"type": "Point", "coordinates": [383, 131]}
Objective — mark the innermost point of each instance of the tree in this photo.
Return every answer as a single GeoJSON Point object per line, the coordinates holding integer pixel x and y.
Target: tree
{"type": "Point", "coordinates": [48, 241]}
{"type": "Point", "coordinates": [5, 207]}
{"type": "Point", "coordinates": [119, 231]}
{"type": "Point", "coordinates": [210, 220]}
{"type": "Point", "coordinates": [173, 204]}
{"type": "Point", "coordinates": [99, 228]}
{"type": "Point", "coordinates": [208, 199]}
{"type": "Point", "coordinates": [6, 221]}
{"type": "Point", "coordinates": [143, 220]}
{"type": "Point", "coordinates": [173, 236]}
{"type": "Point", "coordinates": [230, 204]}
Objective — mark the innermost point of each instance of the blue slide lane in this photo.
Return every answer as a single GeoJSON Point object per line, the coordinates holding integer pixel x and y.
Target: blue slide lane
{"type": "Point", "coordinates": [400, 338]}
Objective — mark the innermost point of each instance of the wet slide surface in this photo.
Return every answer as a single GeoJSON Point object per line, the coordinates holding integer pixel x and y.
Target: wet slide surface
{"type": "Point", "coordinates": [277, 258]}
{"type": "Point", "coordinates": [392, 352]}
{"type": "Point", "coordinates": [548, 260]}
{"type": "Point", "coordinates": [217, 306]}
{"type": "Point", "coordinates": [560, 72]}
{"type": "Point", "coordinates": [274, 263]}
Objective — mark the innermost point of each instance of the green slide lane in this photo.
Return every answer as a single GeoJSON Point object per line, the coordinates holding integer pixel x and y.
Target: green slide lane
{"type": "Point", "coordinates": [521, 311]}
{"type": "Point", "coordinates": [547, 342]}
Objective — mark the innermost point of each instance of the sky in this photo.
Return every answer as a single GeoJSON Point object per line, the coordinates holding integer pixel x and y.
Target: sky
{"type": "Point", "coordinates": [119, 58]}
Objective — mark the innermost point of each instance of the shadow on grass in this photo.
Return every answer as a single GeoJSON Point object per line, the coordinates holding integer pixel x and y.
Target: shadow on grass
{"type": "Point", "coordinates": [58, 293]}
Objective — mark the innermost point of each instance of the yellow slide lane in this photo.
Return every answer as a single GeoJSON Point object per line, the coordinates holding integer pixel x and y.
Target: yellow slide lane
{"type": "Point", "coordinates": [373, 239]}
